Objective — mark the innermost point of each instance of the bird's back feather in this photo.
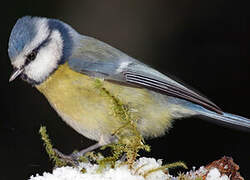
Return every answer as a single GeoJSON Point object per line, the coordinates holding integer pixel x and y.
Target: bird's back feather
{"type": "Point", "coordinates": [98, 59]}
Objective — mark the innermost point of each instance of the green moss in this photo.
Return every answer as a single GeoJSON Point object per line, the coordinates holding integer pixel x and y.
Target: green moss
{"type": "Point", "coordinates": [183, 176]}
{"type": "Point", "coordinates": [198, 178]}
{"type": "Point", "coordinates": [164, 167]}
{"type": "Point", "coordinates": [49, 148]}
{"type": "Point", "coordinates": [118, 149]}
{"type": "Point", "coordinates": [130, 141]}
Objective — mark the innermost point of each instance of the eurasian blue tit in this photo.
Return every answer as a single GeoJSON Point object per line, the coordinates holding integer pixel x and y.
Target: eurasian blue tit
{"type": "Point", "coordinates": [64, 65]}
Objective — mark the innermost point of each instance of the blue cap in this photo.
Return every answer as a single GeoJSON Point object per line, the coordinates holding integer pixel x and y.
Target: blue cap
{"type": "Point", "coordinates": [22, 33]}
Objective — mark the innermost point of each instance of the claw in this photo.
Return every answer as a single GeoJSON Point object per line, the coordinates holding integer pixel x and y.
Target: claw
{"type": "Point", "coordinates": [71, 159]}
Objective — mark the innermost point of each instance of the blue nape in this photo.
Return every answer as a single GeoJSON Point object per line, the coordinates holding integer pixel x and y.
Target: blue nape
{"type": "Point", "coordinates": [55, 24]}
{"type": "Point", "coordinates": [23, 33]}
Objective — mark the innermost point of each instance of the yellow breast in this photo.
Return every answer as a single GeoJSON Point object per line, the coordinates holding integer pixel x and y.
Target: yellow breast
{"type": "Point", "coordinates": [78, 101]}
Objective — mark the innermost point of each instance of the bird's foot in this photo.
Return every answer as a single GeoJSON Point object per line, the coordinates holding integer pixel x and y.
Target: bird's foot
{"type": "Point", "coordinates": [69, 159]}
{"type": "Point", "coordinates": [75, 157]}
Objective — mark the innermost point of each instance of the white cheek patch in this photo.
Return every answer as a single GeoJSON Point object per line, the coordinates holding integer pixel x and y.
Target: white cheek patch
{"type": "Point", "coordinates": [47, 59]}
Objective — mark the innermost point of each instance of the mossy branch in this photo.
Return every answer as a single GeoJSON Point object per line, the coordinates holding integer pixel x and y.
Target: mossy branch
{"type": "Point", "coordinates": [183, 176]}
{"type": "Point", "coordinates": [49, 147]}
{"type": "Point", "coordinates": [130, 141]}
{"type": "Point", "coordinates": [167, 166]}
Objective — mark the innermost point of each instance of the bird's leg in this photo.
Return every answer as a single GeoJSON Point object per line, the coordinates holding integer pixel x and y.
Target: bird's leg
{"type": "Point", "coordinates": [73, 157]}
{"type": "Point", "coordinates": [76, 155]}
{"type": "Point", "coordinates": [124, 157]}
{"type": "Point", "coordinates": [101, 142]}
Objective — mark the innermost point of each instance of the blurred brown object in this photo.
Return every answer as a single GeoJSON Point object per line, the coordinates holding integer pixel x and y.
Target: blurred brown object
{"type": "Point", "coordinates": [226, 166]}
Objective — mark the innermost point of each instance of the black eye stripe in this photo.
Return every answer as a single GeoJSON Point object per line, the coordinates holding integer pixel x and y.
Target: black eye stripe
{"type": "Point", "coordinates": [32, 56]}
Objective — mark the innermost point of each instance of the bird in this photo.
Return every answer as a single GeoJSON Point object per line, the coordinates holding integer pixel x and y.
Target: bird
{"type": "Point", "coordinates": [65, 65]}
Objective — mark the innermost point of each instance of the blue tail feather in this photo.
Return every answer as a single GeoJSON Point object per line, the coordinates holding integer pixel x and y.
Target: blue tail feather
{"type": "Point", "coordinates": [224, 118]}
{"type": "Point", "coordinates": [227, 119]}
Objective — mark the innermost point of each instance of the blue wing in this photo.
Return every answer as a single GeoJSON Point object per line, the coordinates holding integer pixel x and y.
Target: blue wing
{"type": "Point", "coordinates": [98, 59]}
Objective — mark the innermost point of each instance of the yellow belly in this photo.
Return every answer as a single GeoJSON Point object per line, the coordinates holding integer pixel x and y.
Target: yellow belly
{"type": "Point", "coordinates": [77, 100]}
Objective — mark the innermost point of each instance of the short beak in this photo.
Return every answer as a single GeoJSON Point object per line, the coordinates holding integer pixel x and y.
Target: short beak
{"type": "Point", "coordinates": [16, 72]}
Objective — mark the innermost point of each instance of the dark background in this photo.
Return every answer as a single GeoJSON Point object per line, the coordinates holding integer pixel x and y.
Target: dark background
{"type": "Point", "coordinates": [203, 43]}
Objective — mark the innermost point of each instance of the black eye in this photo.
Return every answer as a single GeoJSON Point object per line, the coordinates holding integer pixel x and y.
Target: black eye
{"type": "Point", "coordinates": [32, 56]}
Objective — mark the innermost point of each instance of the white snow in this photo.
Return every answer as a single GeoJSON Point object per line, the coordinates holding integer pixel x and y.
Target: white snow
{"type": "Point", "coordinates": [194, 173]}
{"type": "Point", "coordinates": [214, 174]}
{"type": "Point", "coordinates": [122, 172]}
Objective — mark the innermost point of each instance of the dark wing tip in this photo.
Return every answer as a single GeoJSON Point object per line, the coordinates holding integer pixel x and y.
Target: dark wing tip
{"type": "Point", "coordinates": [171, 90]}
